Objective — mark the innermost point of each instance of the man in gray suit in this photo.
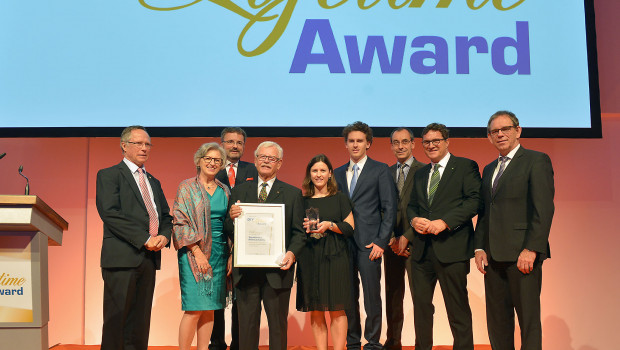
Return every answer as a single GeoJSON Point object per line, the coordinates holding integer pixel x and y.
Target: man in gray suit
{"type": "Point", "coordinates": [371, 188]}
{"type": "Point", "coordinates": [395, 263]}
{"type": "Point", "coordinates": [512, 235]}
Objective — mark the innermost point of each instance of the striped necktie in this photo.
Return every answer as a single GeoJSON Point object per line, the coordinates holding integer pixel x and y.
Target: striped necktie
{"type": "Point", "coordinates": [400, 183]}
{"type": "Point", "coordinates": [146, 197]}
{"type": "Point", "coordinates": [502, 166]}
{"type": "Point", "coordinates": [434, 183]}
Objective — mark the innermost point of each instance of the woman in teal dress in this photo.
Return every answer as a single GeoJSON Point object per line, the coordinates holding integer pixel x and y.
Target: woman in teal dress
{"type": "Point", "coordinates": [203, 251]}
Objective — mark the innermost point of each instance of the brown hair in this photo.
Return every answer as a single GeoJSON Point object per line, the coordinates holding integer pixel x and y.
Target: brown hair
{"type": "Point", "coordinates": [308, 187]}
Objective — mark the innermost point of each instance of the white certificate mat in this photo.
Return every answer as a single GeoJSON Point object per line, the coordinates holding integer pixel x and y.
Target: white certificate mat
{"type": "Point", "coordinates": [259, 235]}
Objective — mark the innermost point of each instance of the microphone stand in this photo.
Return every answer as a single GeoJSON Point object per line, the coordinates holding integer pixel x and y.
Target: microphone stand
{"type": "Point", "coordinates": [27, 191]}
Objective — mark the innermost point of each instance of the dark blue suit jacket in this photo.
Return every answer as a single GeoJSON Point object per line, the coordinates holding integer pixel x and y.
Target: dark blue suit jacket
{"type": "Point", "coordinates": [374, 203]}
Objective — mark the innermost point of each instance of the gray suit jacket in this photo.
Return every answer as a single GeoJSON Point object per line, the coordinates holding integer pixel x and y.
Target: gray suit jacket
{"type": "Point", "coordinates": [402, 224]}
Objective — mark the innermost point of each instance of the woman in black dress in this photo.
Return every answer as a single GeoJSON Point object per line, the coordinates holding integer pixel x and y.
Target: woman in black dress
{"type": "Point", "coordinates": [323, 265]}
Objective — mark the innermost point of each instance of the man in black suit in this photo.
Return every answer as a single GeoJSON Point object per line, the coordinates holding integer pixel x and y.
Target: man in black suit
{"type": "Point", "coordinates": [136, 226]}
{"type": "Point", "coordinates": [371, 188]}
{"type": "Point", "coordinates": [272, 286]}
{"type": "Point", "coordinates": [394, 266]}
{"type": "Point", "coordinates": [512, 235]}
{"type": "Point", "coordinates": [444, 199]}
{"type": "Point", "coordinates": [234, 173]}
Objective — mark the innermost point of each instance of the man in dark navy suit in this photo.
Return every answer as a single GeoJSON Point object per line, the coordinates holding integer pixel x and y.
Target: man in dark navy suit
{"type": "Point", "coordinates": [371, 188]}
{"type": "Point", "coordinates": [444, 199]}
{"type": "Point", "coordinates": [234, 173]}
{"type": "Point", "coordinates": [512, 235]}
{"type": "Point", "coordinates": [136, 226]}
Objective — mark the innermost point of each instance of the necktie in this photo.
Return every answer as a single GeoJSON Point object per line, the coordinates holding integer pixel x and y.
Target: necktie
{"type": "Point", "coordinates": [262, 196]}
{"type": "Point", "coordinates": [434, 183]}
{"type": "Point", "coordinates": [231, 175]}
{"type": "Point", "coordinates": [502, 166]}
{"type": "Point", "coordinates": [146, 197]}
{"type": "Point", "coordinates": [400, 183]}
{"type": "Point", "coordinates": [353, 180]}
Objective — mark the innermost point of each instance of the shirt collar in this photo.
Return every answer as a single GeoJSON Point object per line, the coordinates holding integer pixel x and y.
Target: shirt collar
{"type": "Point", "coordinates": [443, 162]}
{"type": "Point", "coordinates": [512, 153]}
{"type": "Point", "coordinates": [360, 164]}
{"type": "Point", "coordinates": [132, 166]}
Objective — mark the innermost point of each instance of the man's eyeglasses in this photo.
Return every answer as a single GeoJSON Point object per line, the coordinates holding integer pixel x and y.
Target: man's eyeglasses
{"type": "Point", "coordinates": [434, 142]}
{"type": "Point", "coordinates": [504, 130]}
{"type": "Point", "coordinates": [403, 142]}
{"type": "Point", "coordinates": [140, 144]}
{"type": "Point", "coordinates": [216, 161]}
{"type": "Point", "coordinates": [267, 159]}
{"type": "Point", "coordinates": [233, 142]}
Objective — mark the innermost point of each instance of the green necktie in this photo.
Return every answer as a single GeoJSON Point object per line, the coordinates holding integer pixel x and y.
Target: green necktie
{"type": "Point", "coordinates": [434, 183]}
{"type": "Point", "coordinates": [262, 196]}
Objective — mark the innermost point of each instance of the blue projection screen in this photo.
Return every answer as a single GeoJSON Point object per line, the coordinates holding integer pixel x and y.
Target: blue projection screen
{"type": "Point", "coordinates": [295, 68]}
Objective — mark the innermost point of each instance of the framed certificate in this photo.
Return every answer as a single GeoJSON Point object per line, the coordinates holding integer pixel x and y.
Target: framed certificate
{"type": "Point", "coordinates": [259, 235]}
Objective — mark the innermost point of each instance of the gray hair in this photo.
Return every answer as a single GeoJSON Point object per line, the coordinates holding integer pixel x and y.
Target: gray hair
{"type": "Point", "coordinates": [267, 144]}
{"type": "Point", "coordinates": [126, 134]}
{"type": "Point", "coordinates": [204, 149]}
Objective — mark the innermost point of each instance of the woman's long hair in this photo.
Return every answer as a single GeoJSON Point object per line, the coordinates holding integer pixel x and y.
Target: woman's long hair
{"type": "Point", "coordinates": [308, 187]}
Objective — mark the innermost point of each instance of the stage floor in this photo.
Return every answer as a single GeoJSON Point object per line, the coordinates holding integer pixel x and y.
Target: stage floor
{"type": "Point", "coordinates": [96, 347]}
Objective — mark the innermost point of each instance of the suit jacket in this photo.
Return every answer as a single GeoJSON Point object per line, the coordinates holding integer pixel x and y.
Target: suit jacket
{"type": "Point", "coordinates": [519, 215]}
{"type": "Point", "coordinates": [125, 218]}
{"type": "Point", "coordinates": [456, 202]}
{"type": "Point", "coordinates": [374, 203]}
{"type": "Point", "coordinates": [245, 172]}
{"type": "Point", "coordinates": [402, 224]}
{"type": "Point", "coordinates": [295, 235]}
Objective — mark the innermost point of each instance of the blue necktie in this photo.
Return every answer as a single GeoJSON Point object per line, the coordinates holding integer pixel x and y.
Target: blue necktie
{"type": "Point", "coordinates": [502, 167]}
{"type": "Point", "coordinates": [353, 180]}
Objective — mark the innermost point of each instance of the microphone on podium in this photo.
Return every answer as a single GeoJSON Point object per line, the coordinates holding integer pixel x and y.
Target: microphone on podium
{"type": "Point", "coordinates": [2, 155]}
{"type": "Point", "coordinates": [27, 191]}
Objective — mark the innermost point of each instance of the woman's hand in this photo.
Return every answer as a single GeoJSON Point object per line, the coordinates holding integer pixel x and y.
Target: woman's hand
{"type": "Point", "coordinates": [321, 227]}
{"type": "Point", "coordinates": [235, 211]}
{"type": "Point", "coordinates": [201, 261]}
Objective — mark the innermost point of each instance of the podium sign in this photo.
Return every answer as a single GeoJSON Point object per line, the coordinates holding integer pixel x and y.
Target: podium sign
{"type": "Point", "coordinates": [27, 227]}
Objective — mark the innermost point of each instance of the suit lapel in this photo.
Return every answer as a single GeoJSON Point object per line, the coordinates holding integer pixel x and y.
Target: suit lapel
{"type": "Point", "coordinates": [341, 177]}
{"type": "Point", "coordinates": [409, 179]}
{"type": "Point", "coordinates": [126, 173]}
{"type": "Point", "coordinates": [275, 191]}
{"type": "Point", "coordinates": [448, 172]}
{"type": "Point", "coordinates": [508, 172]}
{"type": "Point", "coordinates": [361, 178]}
{"type": "Point", "coordinates": [488, 177]}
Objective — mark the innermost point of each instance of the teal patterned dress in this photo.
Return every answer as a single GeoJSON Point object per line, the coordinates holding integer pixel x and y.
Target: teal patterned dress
{"type": "Point", "coordinates": [202, 291]}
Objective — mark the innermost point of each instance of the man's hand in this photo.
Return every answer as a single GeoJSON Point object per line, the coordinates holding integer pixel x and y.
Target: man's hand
{"type": "Point", "coordinates": [235, 211]}
{"type": "Point", "coordinates": [287, 261]}
{"type": "Point", "coordinates": [436, 227]}
{"type": "Point", "coordinates": [229, 266]}
{"type": "Point", "coordinates": [481, 261]}
{"type": "Point", "coordinates": [525, 263]}
{"type": "Point", "coordinates": [376, 252]}
{"type": "Point", "coordinates": [420, 224]}
{"type": "Point", "coordinates": [393, 244]}
{"type": "Point", "coordinates": [162, 242]}
{"type": "Point", "coordinates": [403, 247]}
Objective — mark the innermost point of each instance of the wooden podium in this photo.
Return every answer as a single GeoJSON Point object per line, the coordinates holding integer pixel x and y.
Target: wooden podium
{"type": "Point", "coordinates": [27, 227]}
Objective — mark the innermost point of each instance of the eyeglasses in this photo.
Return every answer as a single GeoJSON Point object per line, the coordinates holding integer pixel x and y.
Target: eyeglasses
{"type": "Point", "coordinates": [267, 159]}
{"type": "Point", "coordinates": [504, 130]}
{"type": "Point", "coordinates": [140, 144]}
{"type": "Point", "coordinates": [403, 142]}
{"type": "Point", "coordinates": [233, 142]}
{"type": "Point", "coordinates": [216, 161]}
{"type": "Point", "coordinates": [434, 142]}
